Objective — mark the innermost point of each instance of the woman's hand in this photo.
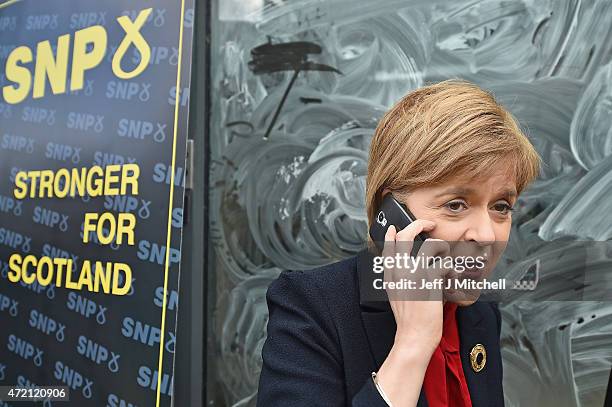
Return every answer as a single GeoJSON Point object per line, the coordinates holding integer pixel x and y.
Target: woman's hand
{"type": "Point", "coordinates": [418, 312]}
{"type": "Point", "coordinates": [418, 316]}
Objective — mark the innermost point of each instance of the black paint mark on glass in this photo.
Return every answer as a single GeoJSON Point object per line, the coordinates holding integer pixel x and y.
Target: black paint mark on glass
{"type": "Point", "coordinates": [289, 56]}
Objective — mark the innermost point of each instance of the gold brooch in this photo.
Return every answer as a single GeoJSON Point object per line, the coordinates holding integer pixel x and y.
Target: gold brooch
{"type": "Point", "coordinates": [478, 357]}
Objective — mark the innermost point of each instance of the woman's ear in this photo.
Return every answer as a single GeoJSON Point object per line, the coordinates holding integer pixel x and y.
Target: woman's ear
{"type": "Point", "coordinates": [384, 192]}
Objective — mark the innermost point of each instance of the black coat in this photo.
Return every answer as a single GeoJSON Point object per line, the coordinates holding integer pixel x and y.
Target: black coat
{"type": "Point", "coordinates": [324, 341]}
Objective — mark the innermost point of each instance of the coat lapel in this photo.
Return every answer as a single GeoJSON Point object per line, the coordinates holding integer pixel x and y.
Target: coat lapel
{"type": "Point", "coordinates": [471, 333]}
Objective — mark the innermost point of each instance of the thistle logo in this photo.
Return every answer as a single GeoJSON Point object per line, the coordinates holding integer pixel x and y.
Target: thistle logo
{"type": "Point", "coordinates": [381, 219]}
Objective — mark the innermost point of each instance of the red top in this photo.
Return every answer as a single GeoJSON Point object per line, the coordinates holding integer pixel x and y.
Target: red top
{"type": "Point", "coordinates": [445, 384]}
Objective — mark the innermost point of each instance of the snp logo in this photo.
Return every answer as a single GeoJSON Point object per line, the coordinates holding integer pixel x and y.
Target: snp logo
{"type": "Point", "coordinates": [147, 334]}
{"type": "Point", "coordinates": [47, 325]}
{"type": "Point", "coordinates": [8, 204]}
{"type": "Point", "coordinates": [82, 20]}
{"type": "Point", "coordinates": [158, 55]}
{"type": "Point", "coordinates": [158, 17]}
{"type": "Point", "coordinates": [184, 96]}
{"type": "Point", "coordinates": [189, 18]}
{"type": "Point", "coordinates": [20, 144]}
{"type": "Point", "coordinates": [86, 307]}
{"type": "Point", "coordinates": [126, 90]}
{"type": "Point", "coordinates": [50, 218]}
{"type": "Point", "coordinates": [103, 159]}
{"type": "Point", "coordinates": [63, 152]}
{"type": "Point", "coordinates": [98, 353]}
{"type": "Point", "coordinates": [156, 253]}
{"type": "Point", "coordinates": [148, 378]}
{"type": "Point", "coordinates": [8, 23]}
{"type": "Point", "coordinates": [142, 129]}
{"type": "Point", "coordinates": [42, 22]}
{"type": "Point", "coordinates": [73, 379]}
{"type": "Point", "coordinates": [38, 115]}
{"type": "Point", "coordinates": [85, 122]}
{"type": "Point", "coordinates": [128, 204]}
{"type": "Point", "coordinates": [15, 240]}
{"type": "Point", "coordinates": [54, 251]}
{"type": "Point", "coordinates": [25, 349]}
{"type": "Point", "coordinates": [9, 304]}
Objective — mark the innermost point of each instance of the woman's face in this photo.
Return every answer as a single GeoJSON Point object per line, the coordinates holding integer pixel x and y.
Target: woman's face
{"type": "Point", "coordinates": [473, 215]}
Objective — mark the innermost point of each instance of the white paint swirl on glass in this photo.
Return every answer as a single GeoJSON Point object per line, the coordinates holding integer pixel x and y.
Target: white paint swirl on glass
{"type": "Point", "coordinates": [289, 136]}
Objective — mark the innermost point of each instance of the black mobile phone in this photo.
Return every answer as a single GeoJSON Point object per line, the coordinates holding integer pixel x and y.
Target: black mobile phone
{"type": "Point", "coordinates": [393, 212]}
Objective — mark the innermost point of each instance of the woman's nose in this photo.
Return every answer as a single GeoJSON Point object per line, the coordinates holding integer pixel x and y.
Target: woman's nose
{"type": "Point", "coordinates": [481, 228]}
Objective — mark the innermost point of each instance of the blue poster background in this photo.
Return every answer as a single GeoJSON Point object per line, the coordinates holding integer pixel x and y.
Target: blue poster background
{"type": "Point", "coordinates": [105, 348]}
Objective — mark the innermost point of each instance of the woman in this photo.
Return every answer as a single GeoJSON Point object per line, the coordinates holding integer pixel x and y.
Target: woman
{"type": "Point", "coordinates": [452, 155]}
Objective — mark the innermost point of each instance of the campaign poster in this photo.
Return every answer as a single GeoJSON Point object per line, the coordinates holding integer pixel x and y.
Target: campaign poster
{"type": "Point", "coordinates": [93, 130]}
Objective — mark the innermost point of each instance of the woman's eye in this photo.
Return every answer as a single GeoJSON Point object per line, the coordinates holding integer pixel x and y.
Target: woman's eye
{"type": "Point", "coordinates": [455, 206]}
{"type": "Point", "coordinates": [503, 208]}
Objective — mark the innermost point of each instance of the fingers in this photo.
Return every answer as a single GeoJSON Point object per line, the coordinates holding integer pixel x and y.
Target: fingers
{"type": "Point", "coordinates": [389, 244]}
{"type": "Point", "coordinates": [409, 232]}
{"type": "Point", "coordinates": [403, 241]}
{"type": "Point", "coordinates": [389, 251]}
{"type": "Point", "coordinates": [432, 249]}
{"type": "Point", "coordinates": [436, 249]}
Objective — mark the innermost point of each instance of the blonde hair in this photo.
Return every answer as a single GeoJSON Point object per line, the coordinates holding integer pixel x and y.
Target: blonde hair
{"type": "Point", "coordinates": [440, 131]}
